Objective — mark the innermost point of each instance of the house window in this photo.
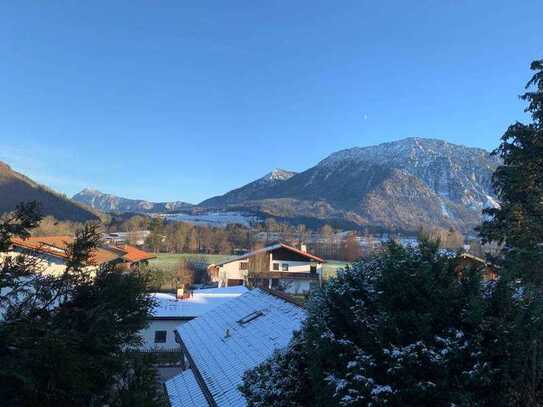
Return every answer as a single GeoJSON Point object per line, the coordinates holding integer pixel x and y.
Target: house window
{"type": "Point", "coordinates": [284, 266]}
{"type": "Point", "coordinates": [275, 266]}
{"type": "Point", "coordinates": [244, 265]}
{"type": "Point", "coordinates": [160, 336]}
{"type": "Point", "coordinates": [313, 269]}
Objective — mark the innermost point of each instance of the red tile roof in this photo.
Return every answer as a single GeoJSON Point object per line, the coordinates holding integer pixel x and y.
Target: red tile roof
{"type": "Point", "coordinates": [301, 252]}
{"type": "Point", "coordinates": [57, 245]}
{"type": "Point", "coordinates": [134, 255]}
{"type": "Point", "coordinates": [53, 245]}
{"type": "Point", "coordinates": [272, 248]}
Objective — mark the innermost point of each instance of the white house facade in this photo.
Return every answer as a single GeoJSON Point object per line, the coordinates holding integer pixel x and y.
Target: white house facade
{"type": "Point", "coordinates": [50, 254]}
{"type": "Point", "coordinates": [278, 266]}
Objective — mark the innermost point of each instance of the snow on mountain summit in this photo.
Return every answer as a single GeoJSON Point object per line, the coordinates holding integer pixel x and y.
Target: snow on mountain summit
{"type": "Point", "coordinates": [278, 175]}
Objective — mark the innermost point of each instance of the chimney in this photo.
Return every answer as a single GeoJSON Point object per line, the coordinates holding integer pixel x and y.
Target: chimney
{"type": "Point", "coordinates": [180, 293]}
{"type": "Point", "coordinates": [303, 247]}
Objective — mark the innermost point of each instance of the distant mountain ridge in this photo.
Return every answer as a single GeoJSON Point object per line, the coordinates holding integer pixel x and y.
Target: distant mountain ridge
{"type": "Point", "coordinates": [16, 188]}
{"type": "Point", "coordinates": [397, 186]}
{"type": "Point", "coordinates": [401, 185]}
{"type": "Point", "coordinates": [253, 190]}
{"type": "Point", "coordinates": [112, 203]}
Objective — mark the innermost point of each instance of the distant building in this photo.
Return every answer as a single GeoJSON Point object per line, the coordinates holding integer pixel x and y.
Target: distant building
{"type": "Point", "coordinates": [170, 312]}
{"type": "Point", "coordinates": [136, 237]}
{"type": "Point", "coordinates": [225, 342]}
{"type": "Point", "coordinates": [50, 251]}
{"type": "Point", "coordinates": [467, 260]}
{"type": "Point", "coordinates": [278, 266]}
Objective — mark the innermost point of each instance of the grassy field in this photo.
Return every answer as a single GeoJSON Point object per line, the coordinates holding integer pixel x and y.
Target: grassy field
{"type": "Point", "coordinates": [167, 261]}
{"type": "Point", "coordinates": [331, 267]}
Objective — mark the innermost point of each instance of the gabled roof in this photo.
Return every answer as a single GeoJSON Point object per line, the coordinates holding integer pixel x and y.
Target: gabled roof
{"type": "Point", "coordinates": [134, 255]}
{"type": "Point", "coordinates": [477, 259]}
{"type": "Point", "coordinates": [167, 306]}
{"type": "Point", "coordinates": [56, 246]}
{"type": "Point", "coordinates": [232, 338]}
{"type": "Point", "coordinates": [273, 247]}
{"type": "Point", "coordinates": [184, 391]}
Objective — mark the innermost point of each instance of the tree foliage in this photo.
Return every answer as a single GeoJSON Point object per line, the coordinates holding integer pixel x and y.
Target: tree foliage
{"type": "Point", "coordinates": [404, 329]}
{"type": "Point", "coordinates": [518, 222]}
{"type": "Point", "coordinates": [63, 339]}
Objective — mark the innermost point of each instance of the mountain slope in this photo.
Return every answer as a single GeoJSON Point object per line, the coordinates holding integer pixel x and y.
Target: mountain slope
{"type": "Point", "coordinates": [401, 185]}
{"type": "Point", "coordinates": [16, 188]}
{"type": "Point", "coordinates": [112, 203]}
{"type": "Point", "coordinates": [254, 190]}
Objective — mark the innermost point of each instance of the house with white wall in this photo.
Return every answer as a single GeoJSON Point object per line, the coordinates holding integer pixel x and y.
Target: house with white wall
{"type": "Point", "coordinates": [279, 267]}
{"type": "Point", "coordinates": [51, 253]}
{"type": "Point", "coordinates": [169, 313]}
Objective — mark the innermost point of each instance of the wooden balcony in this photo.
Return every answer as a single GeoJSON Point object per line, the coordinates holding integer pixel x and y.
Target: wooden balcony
{"type": "Point", "coordinates": [285, 275]}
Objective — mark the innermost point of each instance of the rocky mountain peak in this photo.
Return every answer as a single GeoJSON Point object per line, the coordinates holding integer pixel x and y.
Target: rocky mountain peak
{"type": "Point", "coordinates": [403, 184]}
{"type": "Point", "coordinates": [112, 203]}
{"type": "Point", "coordinates": [278, 174]}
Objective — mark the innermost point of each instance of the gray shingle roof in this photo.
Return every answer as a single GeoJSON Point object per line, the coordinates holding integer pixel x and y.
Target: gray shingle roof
{"type": "Point", "coordinates": [183, 391]}
{"type": "Point", "coordinates": [223, 348]}
{"type": "Point", "coordinates": [201, 301]}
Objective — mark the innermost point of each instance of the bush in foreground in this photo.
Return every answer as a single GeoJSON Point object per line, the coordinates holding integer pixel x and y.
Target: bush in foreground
{"type": "Point", "coordinates": [405, 329]}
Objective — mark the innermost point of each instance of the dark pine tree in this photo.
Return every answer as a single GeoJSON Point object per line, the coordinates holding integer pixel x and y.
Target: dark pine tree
{"type": "Point", "coordinates": [406, 329]}
{"type": "Point", "coordinates": [63, 339]}
{"type": "Point", "coordinates": [518, 222]}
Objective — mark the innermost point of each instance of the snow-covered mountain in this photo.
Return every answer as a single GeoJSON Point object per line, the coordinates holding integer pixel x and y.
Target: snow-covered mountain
{"type": "Point", "coordinates": [455, 172]}
{"type": "Point", "coordinates": [401, 185]}
{"type": "Point", "coordinates": [251, 191]}
{"type": "Point", "coordinates": [112, 203]}
{"type": "Point", "coordinates": [397, 186]}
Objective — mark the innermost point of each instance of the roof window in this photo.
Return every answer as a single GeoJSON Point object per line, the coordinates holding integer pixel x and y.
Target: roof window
{"type": "Point", "coordinates": [248, 318]}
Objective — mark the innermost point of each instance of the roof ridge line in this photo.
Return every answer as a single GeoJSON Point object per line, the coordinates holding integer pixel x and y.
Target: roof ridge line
{"type": "Point", "coordinates": [197, 375]}
{"type": "Point", "coordinates": [281, 295]}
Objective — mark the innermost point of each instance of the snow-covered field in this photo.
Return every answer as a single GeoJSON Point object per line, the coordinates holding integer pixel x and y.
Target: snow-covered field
{"type": "Point", "coordinates": [218, 219]}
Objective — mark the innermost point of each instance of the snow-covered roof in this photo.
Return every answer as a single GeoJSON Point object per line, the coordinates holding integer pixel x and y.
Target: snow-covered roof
{"type": "Point", "coordinates": [201, 301]}
{"type": "Point", "coordinates": [184, 391]}
{"type": "Point", "coordinates": [232, 338]}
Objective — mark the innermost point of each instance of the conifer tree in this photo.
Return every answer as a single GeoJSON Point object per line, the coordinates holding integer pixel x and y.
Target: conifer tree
{"type": "Point", "coordinates": [406, 329]}
{"type": "Point", "coordinates": [518, 222]}
{"type": "Point", "coordinates": [63, 338]}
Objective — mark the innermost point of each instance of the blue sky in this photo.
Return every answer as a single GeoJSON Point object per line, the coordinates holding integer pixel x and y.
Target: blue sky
{"type": "Point", "coordinates": [180, 100]}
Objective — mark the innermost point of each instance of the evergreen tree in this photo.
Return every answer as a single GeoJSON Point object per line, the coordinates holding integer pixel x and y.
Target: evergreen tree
{"type": "Point", "coordinates": [405, 329]}
{"type": "Point", "coordinates": [63, 339]}
{"type": "Point", "coordinates": [518, 222]}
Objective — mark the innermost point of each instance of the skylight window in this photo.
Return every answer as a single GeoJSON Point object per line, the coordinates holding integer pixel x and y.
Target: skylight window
{"type": "Point", "coordinates": [248, 318]}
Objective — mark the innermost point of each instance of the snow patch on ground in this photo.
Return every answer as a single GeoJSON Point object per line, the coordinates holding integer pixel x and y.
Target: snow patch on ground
{"type": "Point", "coordinates": [218, 219]}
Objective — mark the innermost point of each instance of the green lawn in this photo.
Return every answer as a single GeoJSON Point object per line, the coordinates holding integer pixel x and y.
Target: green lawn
{"type": "Point", "coordinates": [168, 261]}
{"type": "Point", "coordinates": [331, 267]}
